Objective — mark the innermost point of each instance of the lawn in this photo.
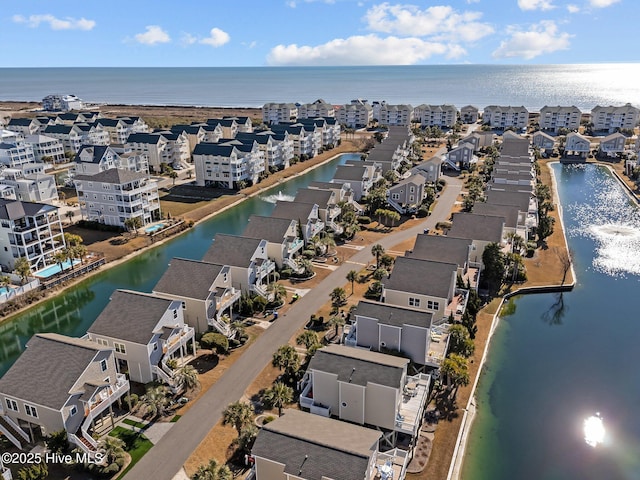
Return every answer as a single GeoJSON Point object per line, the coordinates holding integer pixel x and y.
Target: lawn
{"type": "Point", "coordinates": [133, 423]}
{"type": "Point", "coordinates": [135, 444]}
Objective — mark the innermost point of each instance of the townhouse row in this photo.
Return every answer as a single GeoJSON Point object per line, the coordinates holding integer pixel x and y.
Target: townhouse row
{"type": "Point", "coordinates": [359, 113]}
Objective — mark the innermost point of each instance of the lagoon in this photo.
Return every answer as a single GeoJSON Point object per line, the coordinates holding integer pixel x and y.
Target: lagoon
{"type": "Point", "coordinates": [72, 312]}
{"type": "Point", "coordinates": [555, 360]}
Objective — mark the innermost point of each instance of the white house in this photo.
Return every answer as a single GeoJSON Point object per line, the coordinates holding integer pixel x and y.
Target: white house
{"type": "Point", "coordinates": [357, 114]}
{"type": "Point", "coordinates": [30, 183]}
{"type": "Point", "coordinates": [504, 116]}
{"type": "Point", "coordinates": [469, 114]}
{"type": "Point", "coordinates": [615, 117]}
{"type": "Point", "coordinates": [554, 118]}
{"type": "Point", "coordinates": [274, 113]}
{"type": "Point", "coordinates": [436, 115]}
{"type": "Point", "coordinates": [319, 108]}
{"type": "Point", "coordinates": [229, 164]}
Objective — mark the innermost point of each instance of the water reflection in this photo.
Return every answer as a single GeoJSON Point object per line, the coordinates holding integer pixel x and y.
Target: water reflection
{"type": "Point", "coordinates": [556, 312]}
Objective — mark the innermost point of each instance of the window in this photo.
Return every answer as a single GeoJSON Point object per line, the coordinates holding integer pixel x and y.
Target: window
{"type": "Point", "coordinates": [414, 302]}
{"type": "Point", "coordinates": [73, 411]}
{"type": "Point", "coordinates": [155, 346]}
{"type": "Point", "coordinates": [31, 410]}
{"type": "Point", "coordinates": [119, 347]}
{"type": "Point", "coordinates": [175, 314]}
{"type": "Point", "coordinates": [103, 364]}
{"type": "Point", "coordinates": [395, 196]}
{"type": "Point", "coordinates": [184, 305]}
{"type": "Point", "coordinates": [344, 404]}
{"type": "Point", "coordinates": [433, 305]}
{"type": "Point", "coordinates": [12, 405]}
{"type": "Point", "coordinates": [102, 341]}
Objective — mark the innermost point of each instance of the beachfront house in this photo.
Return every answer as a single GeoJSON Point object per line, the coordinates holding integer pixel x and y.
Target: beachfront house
{"type": "Point", "coordinates": [145, 332]}
{"type": "Point", "coordinates": [444, 116]}
{"type": "Point", "coordinates": [357, 114]}
{"type": "Point", "coordinates": [406, 195]}
{"type": "Point", "coordinates": [381, 327]}
{"type": "Point", "coordinates": [248, 260]}
{"type": "Point", "coordinates": [30, 230]}
{"type": "Point", "coordinates": [306, 215]}
{"type": "Point", "coordinates": [612, 118]}
{"type": "Point", "coordinates": [205, 290]}
{"type": "Point", "coordinates": [30, 183]}
{"type": "Point", "coordinates": [274, 113]}
{"type": "Point", "coordinates": [360, 178]}
{"type": "Point", "coordinates": [327, 201]}
{"type": "Point", "coordinates": [283, 243]}
{"type": "Point", "coordinates": [425, 285]}
{"type": "Point", "coordinates": [113, 196]}
{"type": "Point", "coordinates": [228, 165]}
{"type": "Point", "coordinates": [554, 118]}
{"type": "Point", "coordinates": [319, 108]}
{"type": "Point", "coordinates": [365, 388]}
{"type": "Point", "coordinates": [308, 447]}
{"type": "Point", "coordinates": [504, 116]}
{"type": "Point", "coordinates": [612, 145]}
{"type": "Point", "coordinates": [576, 147]}
{"type": "Point", "coordinates": [59, 383]}
{"type": "Point", "coordinates": [544, 142]}
{"type": "Point", "coordinates": [398, 115]}
{"type": "Point", "coordinates": [469, 114]}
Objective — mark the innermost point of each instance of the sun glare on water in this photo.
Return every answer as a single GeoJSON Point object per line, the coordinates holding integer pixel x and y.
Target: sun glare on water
{"type": "Point", "coordinates": [593, 430]}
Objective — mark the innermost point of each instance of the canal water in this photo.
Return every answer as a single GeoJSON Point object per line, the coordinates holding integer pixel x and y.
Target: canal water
{"type": "Point", "coordinates": [74, 311]}
{"type": "Point", "coordinates": [556, 360]}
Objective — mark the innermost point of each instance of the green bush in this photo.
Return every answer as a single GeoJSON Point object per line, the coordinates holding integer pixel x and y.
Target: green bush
{"type": "Point", "coordinates": [215, 341]}
{"type": "Point", "coordinates": [268, 419]}
{"type": "Point", "coordinates": [285, 273]}
{"type": "Point", "coordinates": [422, 212]}
{"type": "Point", "coordinates": [363, 219]}
{"type": "Point", "coordinates": [259, 304]}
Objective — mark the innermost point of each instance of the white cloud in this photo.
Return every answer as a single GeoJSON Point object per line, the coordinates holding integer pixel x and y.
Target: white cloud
{"type": "Point", "coordinates": [188, 39]}
{"type": "Point", "coordinates": [67, 23]}
{"type": "Point", "coordinates": [541, 38]}
{"type": "Point", "coordinates": [571, 8]}
{"type": "Point", "coordinates": [602, 3]}
{"type": "Point", "coordinates": [153, 35]}
{"type": "Point", "coordinates": [363, 50]}
{"type": "Point", "coordinates": [216, 38]}
{"type": "Point", "coordinates": [439, 22]}
{"type": "Point", "coordinates": [535, 4]}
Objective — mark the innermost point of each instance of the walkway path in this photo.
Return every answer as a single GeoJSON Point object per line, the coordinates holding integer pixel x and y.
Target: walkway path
{"type": "Point", "coordinates": [166, 458]}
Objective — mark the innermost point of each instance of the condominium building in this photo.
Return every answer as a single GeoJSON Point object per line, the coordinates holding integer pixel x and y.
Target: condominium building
{"type": "Point", "coordinates": [436, 115]}
{"type": "Point", "coordinates": [274, 113]}
{"type": "Point", "coordinates": [611, 118]}
{"type": "Point", "coordinates": [554, 118]}
{"type": "Point", "coordinates": [501, 117]}
{"type": "Point", "coordinates": [356, 114]}
{"type": "Point", "coordinates": [319, 108]}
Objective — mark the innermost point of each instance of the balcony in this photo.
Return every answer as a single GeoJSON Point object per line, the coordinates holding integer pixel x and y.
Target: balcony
{"type": "Point", "coordinates": [438, 344]}
{"type": "Point", "coordinates": [178, 340]}
{"type": "Point", "coordinates": [264, 267]}
{"type": "Point", "coordinates": [107, 396]}
{"type": "Point", "coordinates": [294, 245]}
{"type": "Point", "coordinates": [414, 400]}
{"type": "Point", "coordinates": [220, 299]}
{"type": "Point", "coordinates": [458, 305]}
{"type": "Point", "coordinates": [391, 465]}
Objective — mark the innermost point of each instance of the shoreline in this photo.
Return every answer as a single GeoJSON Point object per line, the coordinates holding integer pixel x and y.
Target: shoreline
{"type": "Point", "coordinates": [129, 256]}
{"type": "Point", "coordinates": [470, 410]}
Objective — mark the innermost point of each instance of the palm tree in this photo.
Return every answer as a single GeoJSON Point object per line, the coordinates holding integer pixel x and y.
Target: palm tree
{"type": "Point", "coordinates": [377, 250]}
{"type": "Point", "coordinates": [352, 276]}
{"type": "Point", "coordinates": [23, 268]}
{"type": "Point", "coordinates": [154, 402]}
{"type": "Point", "coordinates": [60, 257]}
{"type": "Point", "coordinates": [337, 321]}
{"type": "Point", "coordinates": [238, 414]}
{"type": "Point", "coordinates": [338, 298]}
{"type": "Point", "coordinates": [308, 338]}
{"type": "Point", "coordinates": [327, 242]}
{"type": "Point", "coordinates": [213, 471]}
{"type": "Point", "coordinates": [5, 281]}
{"type": "Point", "coordinates": [306, 266]}
{"type": "Point", "coordinates": [278, 396]}
{"type": "Point", "coordinates": [286, 358]}
{"type": "Point", "coordinates": [115, 455]}
{"type": "Point", "coordinates": [70, 215]}
{"type": "Point", "coordinates": [278, 291]}
{"type": "Point", "coordinates": [186, 378]}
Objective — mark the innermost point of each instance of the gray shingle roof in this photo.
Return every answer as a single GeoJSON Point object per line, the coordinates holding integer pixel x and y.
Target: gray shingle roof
{"type": "Point", "coordinates": [358, 366]}
{"type": "Point", "coordinates": [188, 278]}
{"type": "Point", "coordinates": [423, 277]}
{"type": "Point", "coordinates": [487, 228]}
{"type": "Point", "coordinates": [148, 138]}
{"type": "Point", "coordinates": [314, 195]}
{"type": "Point", "coordinates": [232, 250]}
{"type": "Point", "coordinates": [314, 448]}
{"type": "Point", "coordinates": [516, 199]}
{"type": "Point", "coordinates": [205, 148]}
{"type": "Point", "coordinates": [130, 316]}
{"type": "Point", "coordinates": [47, 370]}
{"type": "Point", "coordinates": [393, 315]}
{"type": "Point", "coordinates": [113, 175]}
{"type": "Point", "coordinates": [271, 229]}
{"type": "Point", "coordinates": [350, 173]}
{"type": "Point", "coordinates": [438, 248]}
{"type": "Point", "coordinates": [292, 210]}
{"type": "Point", "coordinates": [14, 209]}
{"type": "Point", "coordinates": [96, 152]}
{"type": "Point", "coordinates": [509, 213]}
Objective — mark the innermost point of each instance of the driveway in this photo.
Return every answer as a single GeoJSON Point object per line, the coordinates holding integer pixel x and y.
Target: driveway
{"type": "Point", "coordinates": [167, 457]}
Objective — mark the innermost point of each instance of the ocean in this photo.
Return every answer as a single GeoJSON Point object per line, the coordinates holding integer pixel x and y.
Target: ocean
{"type": "Point", "coordinates": [533, 86]}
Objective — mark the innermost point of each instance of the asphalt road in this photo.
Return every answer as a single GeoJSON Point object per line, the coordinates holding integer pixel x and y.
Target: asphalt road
{"type": "Point", "coordinates": [168, 456]}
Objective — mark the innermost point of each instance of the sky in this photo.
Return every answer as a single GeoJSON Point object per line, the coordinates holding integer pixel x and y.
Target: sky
{"type": "Point", "coordinates": [228, 33]}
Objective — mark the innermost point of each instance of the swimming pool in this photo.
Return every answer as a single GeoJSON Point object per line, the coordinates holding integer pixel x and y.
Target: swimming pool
{"type": "Point", "coordinates": [155, 227]}
{"type": "Point", "coordinates": [4, 290]}
{"type": "Point", "coordinates": [53, 269]}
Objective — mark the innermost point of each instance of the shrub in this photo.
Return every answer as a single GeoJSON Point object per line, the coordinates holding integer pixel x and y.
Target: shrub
{"type": "Point", "coordinates": [285, 273]}
{"type": "Point", "coordinates": [443, 225]}
{"type": "Point", "coordinates": [215, 341]}
{"type": "Point", "coordinates": [131, 399]}
{"type": "Point", "coordinates": [363, 219]}
{"type": "Point", "coordinates": [422, 212]}
{"type": "Point", "coordinates": [268, 419]}
{"type": "Point", "coordinates": [374, 291]}
{"type": "Point", "coordinates": [259, 304]}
